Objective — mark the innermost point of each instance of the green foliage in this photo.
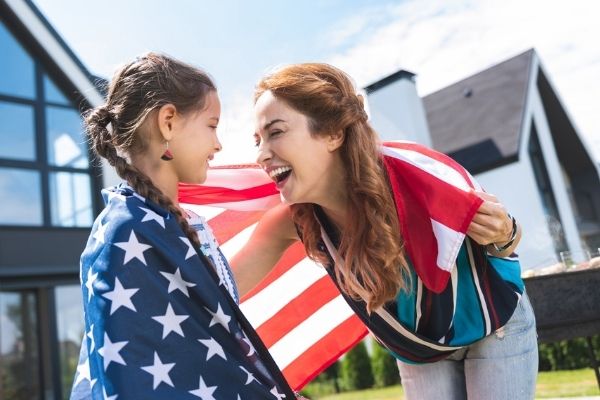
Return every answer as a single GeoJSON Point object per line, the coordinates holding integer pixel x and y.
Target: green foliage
{"type": "Point", "coordinates": [385, 369]}
{"type": "Point", "coordinates": [356, 370]}
{"type": "Point", "coordinates": [567, 354]}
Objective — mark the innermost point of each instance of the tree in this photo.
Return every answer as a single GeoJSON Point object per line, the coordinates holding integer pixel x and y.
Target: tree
{"type": "Point", "coordinates": [385, 369]}
{"type": "Point", "coordinates": [356, 370]}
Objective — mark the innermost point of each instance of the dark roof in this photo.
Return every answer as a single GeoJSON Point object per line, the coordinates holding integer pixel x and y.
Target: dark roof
{"type": "Point", "coordinates": [396, 76]}
{"type": "Point", "coordinates": [477, 121]}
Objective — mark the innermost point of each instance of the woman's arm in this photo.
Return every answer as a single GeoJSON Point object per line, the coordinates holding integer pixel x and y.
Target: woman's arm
{"type": "Point", "coordinates": [492, 224]}
{"type": "Point", "coordinates": [274, 233]}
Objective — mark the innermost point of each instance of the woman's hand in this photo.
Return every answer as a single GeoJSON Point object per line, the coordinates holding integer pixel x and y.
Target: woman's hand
{"type": "Point", "coordinates": [492, 225]}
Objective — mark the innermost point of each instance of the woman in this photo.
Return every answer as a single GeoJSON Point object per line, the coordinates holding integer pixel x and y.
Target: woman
{"type": "Point", "coordinates": [363, 210]}
{"type": "Point", "coordinates": [161, 313]}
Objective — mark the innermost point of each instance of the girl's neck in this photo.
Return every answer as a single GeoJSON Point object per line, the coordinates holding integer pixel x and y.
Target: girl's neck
{"type": "Point", "coordinates": [163, 178]}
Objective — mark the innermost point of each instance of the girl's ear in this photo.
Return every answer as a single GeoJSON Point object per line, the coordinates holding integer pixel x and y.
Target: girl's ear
{"type": "Point", "coordinates": [165, 119]}
{"type": "Point", "coordinates": [335, 140]}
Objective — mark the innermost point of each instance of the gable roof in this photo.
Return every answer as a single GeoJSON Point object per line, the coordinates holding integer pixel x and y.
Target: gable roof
{"type": "Point", "coordinates": [478, 120]}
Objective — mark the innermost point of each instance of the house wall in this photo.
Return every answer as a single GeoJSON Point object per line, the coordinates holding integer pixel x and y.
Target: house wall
{"type": "Point", "coordinates": [396, 112]}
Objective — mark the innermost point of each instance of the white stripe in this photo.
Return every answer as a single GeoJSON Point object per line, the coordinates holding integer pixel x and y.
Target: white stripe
{"type": "Point", "coordinates": [429, 165]}
{"type": "Point", "coordinates": [233, 245]}
{"type": "Point", "coordinates": [236, 178]}
{"type": "Point", "coordinates": [262, 203]}
{"type": "Point", "coordinates": [418, 302]}
{"type": "Point", "coordinates": [269, 301]}
{"type": "Point", "coordinates": [207, 212]}
{"type": "Point", "coordinates": [448, 245]}
{"type": "Point", "coordinates": [486, 315]}
{"type": "Point", "coordinates": [306, 334]}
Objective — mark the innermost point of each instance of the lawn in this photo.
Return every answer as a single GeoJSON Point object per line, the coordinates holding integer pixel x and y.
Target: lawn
{"type": "Point", "coordinates": [581, 382]}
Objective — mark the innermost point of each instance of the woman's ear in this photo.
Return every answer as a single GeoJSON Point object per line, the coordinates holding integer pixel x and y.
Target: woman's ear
{"type": "Point", "coordinates": [335, 140]}
{"type": "Point", "coordinates": [165, 119]}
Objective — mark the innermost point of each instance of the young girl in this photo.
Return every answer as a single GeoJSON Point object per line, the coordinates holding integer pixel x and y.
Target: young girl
{"type": "Point", "coordinates": [161, 313]}
{"type": "Point", "coordinates": [450, 307]}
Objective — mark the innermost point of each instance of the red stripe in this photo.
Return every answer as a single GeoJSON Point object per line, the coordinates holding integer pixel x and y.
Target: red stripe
{"type": "Point", "coordinates": [298, 310]}
{"type": "Point", "coordinates": [292, 256]}
{"type": "Point", "coordinates": [324, 352]}
{"type": "Point", "coordinates": [436, 155]}
{"type": "Point", "coordinates": [229, 223]}
{"type": "Point", "coordinates": [207, 195]}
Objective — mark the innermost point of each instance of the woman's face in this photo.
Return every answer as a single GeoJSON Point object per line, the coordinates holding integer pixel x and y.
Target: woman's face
{"type": "Point", "coordinates": [302, 165]}
{"type": "Point", "coordinates": [196, 142]}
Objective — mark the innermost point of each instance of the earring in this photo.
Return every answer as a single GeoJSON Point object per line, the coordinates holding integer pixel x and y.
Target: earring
{"type": "Point", "coordinates": [167, 155]}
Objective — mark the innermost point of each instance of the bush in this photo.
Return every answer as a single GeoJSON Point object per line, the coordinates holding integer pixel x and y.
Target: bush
{"type": "Point", "coordinates": [356, 370]}
{"type": "Point", "coordinates": [566, 354]}
{"type": "Point", "coordinates": [385, 369]}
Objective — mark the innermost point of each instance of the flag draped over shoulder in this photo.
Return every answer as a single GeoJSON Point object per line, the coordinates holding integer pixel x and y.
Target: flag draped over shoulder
{"type": "Point", "coordinates": [297, 310]}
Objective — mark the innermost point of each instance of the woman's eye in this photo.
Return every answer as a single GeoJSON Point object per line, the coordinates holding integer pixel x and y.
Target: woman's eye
{"type": "Point", "coordinates": [274, 133]}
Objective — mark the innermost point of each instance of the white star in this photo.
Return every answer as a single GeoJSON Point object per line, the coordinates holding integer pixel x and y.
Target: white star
{"type": "Point", "coordinates": [90, 334]}
{"type": "Point", "coordinates": [251, 349]}
{"type": "Point", "coordinates": [120, 297]}
{"type": "Point", "coordinates": [219, 317]}
{"type": "Point", "coordinates": [107, 397]}
{"type": "Point", "coordinates": [159, 372]}
{"type": "Point", "coordinates": [176, 282]}
{"type": "Point", "coordinates": [152, 216]}
{"type": "Point", "coordinates": [90, 281]}
{"type": "Point", "coordinates": [213, 348]}
{"type": "Point", "coordinates": [191, 251]}
{"type": "Point", "coordinates": [171, 322]}
{"type": "Point", "coordinates": [93, 382]}
{"type": "Point", "coordinates": [83, 372]}
{"type": "Point", "coordinates": [133, 249]}
{"type": "Point", "coordinates": [99, 234]}
{"type": "Point", "coordinates": [275, 393]}
{"type": "Point", "coordinates": [203, 391]}
{"type": "Point", "coordinates": [110, 351]}
{"type": "Point", "coordinates": [250, 377]}
{"type": "Point", "coordinates": [112, 195]}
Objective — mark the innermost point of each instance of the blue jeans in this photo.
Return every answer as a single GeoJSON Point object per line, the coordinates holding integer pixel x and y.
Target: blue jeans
{"type": "Point", "coordinates": [502, 366]}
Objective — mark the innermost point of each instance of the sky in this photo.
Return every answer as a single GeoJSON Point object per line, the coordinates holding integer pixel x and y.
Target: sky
{"type": "Point", "coordinates": [442, 41]}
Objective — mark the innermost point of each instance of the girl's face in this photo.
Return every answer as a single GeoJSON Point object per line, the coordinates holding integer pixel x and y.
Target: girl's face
{"type": "Point", "coordinates": [196, 142]}
{"type": "Point", "coordinates": [304, 166]}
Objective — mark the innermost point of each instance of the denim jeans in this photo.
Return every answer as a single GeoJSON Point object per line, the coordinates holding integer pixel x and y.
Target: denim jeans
{"type": "Point", "coordinates": [502, 366]}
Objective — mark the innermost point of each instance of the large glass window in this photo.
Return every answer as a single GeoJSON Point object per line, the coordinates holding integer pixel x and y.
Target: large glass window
{"type": "Point", "coordinates": [21, 197]}
{"type": "Point", "coordinates": [69, 319]}
{"type": "Point", "coordinates": [17, 77]}
{"type": "Point", "coordinates": [17, 132]}
{"type": "Point", "coordinates": [70, 199]}
{"type": "Point", "coordinates": [66, 145]}
{"type": "Point", "coordinates": [19, 351]}
{"type": "Point", "coordinates": [54, 94]}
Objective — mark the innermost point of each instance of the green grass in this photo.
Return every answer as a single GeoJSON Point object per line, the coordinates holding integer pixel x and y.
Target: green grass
{"type": "Point", "coordinates": [581, 382]}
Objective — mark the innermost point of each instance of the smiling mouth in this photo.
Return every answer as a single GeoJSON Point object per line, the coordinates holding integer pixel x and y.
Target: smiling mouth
{"type": "Point", "coordinates": [280, 174]}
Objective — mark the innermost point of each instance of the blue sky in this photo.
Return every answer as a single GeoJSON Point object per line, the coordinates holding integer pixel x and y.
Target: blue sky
{"type": "Point", "coordinates": [442, 41]}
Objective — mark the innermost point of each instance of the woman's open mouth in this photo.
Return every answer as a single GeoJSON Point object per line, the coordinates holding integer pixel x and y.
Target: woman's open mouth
{"type": "Point", "coordinates": [280, 175]}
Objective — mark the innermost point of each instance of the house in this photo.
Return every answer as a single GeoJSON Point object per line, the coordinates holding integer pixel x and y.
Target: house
{"type": "Point", "coordinates": [49, 187]}
{"type": "Point", "coordinates": [509, 127]}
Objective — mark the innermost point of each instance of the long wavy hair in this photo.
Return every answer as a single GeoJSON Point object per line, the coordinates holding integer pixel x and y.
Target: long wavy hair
{"type": "Point", "coordinates": [136, 90]}
{"type": "Point", "coordinates": [375, 268]}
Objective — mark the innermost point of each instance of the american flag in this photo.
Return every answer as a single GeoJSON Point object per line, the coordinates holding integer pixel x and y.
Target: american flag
{"type": "Point", "coordinates": [297, 310]}
{"type": "Point", "coordinates": [160, 324]}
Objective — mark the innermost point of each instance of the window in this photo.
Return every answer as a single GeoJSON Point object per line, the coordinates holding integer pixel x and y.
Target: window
{"type": "Point", "coordinates": [19, 351]}
{"type": "Point", "coordinates": [45, 173]}
{"type": "Point", "coordinates": [70, 326]}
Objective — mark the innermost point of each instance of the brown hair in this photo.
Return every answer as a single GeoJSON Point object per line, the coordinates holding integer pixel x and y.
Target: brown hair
{"type": "Point", "coordinates": [136, 90]}
{"type": "Point", "coordinates": [375, 268]}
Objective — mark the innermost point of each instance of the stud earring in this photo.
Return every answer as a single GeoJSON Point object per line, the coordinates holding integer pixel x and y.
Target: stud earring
{"type": "Point", "coordinates": [167, 155]}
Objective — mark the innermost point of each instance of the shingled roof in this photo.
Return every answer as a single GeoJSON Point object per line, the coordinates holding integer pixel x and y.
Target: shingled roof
{"type": "Point", "coordinates": [477, 121]}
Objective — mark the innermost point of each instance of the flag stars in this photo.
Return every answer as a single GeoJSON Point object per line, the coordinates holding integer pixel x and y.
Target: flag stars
{"type": "Point", "coordinates": [90, 335]}
{"type": "Point", "coordinates": [100, 232]}
{"type": "Point", "coordinates": [159, 372]}
{"type": "Point", "coordinates": [91, 278]}
{"type": "Point", "coordinates": [171, 322]}
{"type": "Point", "coordinates": [219, 317]}
{"type": "Point", "coordinates": [152, 216]}
{"type": "Point", "coordinates": [190, 251]}
{"type": "Point", "coordinates": [107, 397]}
{"type": "Point", "coordinates": [203, 391]}
{"type": "Point", "coordinates": [83, 372]}
{"type": "Point", "coordinates": [176, 282]}
{"type": "Point", "coordinates": [133, 249]}
{"type": "Point", "coordinates": [250, 376]}
{"type": "Point", "coordinates": [275, 392]}
{"type": "Point", "coordinates": [214, 348]}
{"type": "Point", "coordinates": [110, 352]}
{"type": "Point", "coordinates": [120, 297]}
{"type": "Point", "coordinates": [251, 349]}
